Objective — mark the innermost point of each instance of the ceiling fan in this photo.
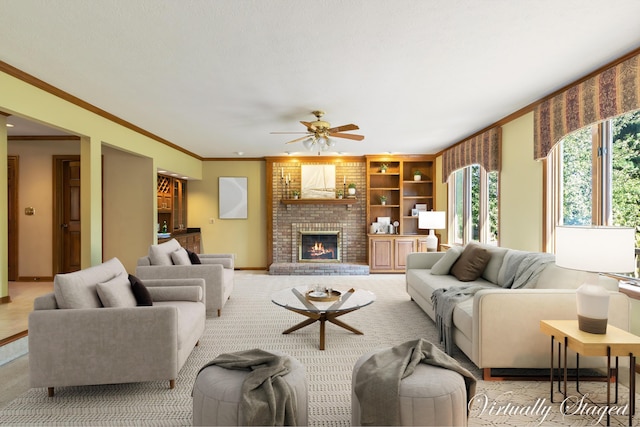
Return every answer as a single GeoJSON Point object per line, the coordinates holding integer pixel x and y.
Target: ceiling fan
{"type": "Point", "coordinates": [319, 133]}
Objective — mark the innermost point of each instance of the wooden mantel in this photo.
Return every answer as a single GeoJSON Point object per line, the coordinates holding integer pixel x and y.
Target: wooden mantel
{"type": "Point", "coordinates": [346, 201]}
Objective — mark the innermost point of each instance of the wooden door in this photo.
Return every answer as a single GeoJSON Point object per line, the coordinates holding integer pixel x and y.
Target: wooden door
{"type": "Point", "coordinates": [381, 252]}
{"type": "Point", "coordinates": [67, 235]}
{"type": "Point", "coordinates": [403, 247]}
{"type": "Point", "coordinates": [12, 207]}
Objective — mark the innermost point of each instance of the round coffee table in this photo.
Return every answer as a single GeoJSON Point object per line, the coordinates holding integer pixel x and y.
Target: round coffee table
{"type": "Point", "coordinates": [295, 299]}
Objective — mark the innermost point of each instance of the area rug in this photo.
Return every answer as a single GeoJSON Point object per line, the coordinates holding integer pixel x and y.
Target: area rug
{"type": "Point", "coordinates": [251, 320]}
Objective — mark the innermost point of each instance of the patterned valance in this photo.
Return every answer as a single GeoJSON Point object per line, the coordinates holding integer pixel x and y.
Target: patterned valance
{"type": "Point", "coordinates": [610, 93]}
{"type": "Point", "coordinates": [483, 149]}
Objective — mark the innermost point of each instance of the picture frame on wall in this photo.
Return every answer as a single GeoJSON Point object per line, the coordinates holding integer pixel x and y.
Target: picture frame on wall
{"type": "Point", "coordinates": [232, 197]}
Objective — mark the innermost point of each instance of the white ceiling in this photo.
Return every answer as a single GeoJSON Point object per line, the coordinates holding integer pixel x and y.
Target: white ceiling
{"type": "Point", "coordinates": [217, 76]}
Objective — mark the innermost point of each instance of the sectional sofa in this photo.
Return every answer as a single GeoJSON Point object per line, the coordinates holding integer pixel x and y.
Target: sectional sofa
{"type": "Point", "coordinates": [498, 325]}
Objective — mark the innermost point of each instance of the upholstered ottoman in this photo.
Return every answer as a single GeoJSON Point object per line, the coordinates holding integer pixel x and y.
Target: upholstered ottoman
{"type": "Point", "coordinates": [431, 396]}
{"type": "Point", "coordinates": [217, 393]}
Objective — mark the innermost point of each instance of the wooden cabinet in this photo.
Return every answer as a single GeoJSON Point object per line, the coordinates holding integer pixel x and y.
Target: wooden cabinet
{"type": "Point", "coordinates": [392, 177]}
{"type": "Point", "coordinates": [172, 203]}
{"type": "Point", "coordinates": [388, 253]}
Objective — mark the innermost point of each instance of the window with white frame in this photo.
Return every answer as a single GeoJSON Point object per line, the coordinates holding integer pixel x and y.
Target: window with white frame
{"type": "Point", "coordinates": [473, 204]}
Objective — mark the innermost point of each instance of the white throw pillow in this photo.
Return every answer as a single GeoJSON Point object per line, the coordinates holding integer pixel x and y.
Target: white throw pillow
{"type": "Point", "coordinates": [161, 254]}
{"type": "Point", "coordinates": [180, 257]}
{"type": "Point", "coordinates": [117, 292]}
{"type": "Point", "coordinates": [444, 264]}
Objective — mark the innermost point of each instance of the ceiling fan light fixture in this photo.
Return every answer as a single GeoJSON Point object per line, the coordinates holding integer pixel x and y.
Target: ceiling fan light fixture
{"type": "Point", "coordinates": [309, 143]}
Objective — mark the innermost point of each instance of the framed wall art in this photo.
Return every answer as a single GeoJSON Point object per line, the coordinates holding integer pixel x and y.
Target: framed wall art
{"type": "Point", "coordinates": [232, 197]}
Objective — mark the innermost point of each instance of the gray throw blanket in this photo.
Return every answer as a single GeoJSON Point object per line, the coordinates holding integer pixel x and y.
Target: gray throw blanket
{"type": "Point", "coordinates": [523, 268]}
{"type": "Point", "coordinates": [267, 399]}
{"type": "Point", "coordinates": [377, 383]}
{"type": "Point", "coordinates": [444, 301]}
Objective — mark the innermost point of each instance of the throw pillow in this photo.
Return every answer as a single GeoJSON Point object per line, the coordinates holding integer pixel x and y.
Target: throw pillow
{"type": "Point", "coordinates": [443, 265]}
{"type": "Point", "coordinates": [195, 259]}
{"type": "Point", "coordinates": [116, 292]}
{"type": "Point", "coordinates": [180, 257]}
{"type": "Point", "coordinates": [78, 289]}
{"type": "Point", "coordinates": [471, 263]}
{"type": "Point", "coordinates": [161, 254]}
{"type": "Point", "coordinates": [140, 291]}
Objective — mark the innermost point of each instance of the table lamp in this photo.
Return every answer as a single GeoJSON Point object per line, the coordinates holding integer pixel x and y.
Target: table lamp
{"type": "Point", "coordinates": [595, 249]}
{"type": "Point", "coordinates": [432, 220]}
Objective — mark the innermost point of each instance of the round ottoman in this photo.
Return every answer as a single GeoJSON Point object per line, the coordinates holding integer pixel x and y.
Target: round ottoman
{"type": "Point", "coordinates": [217, 393]}
{"type": "Point", "coordinates": [431, 396]}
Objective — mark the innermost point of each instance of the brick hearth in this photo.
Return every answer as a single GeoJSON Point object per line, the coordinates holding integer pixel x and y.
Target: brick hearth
{"type": "Point", "coordinates": [318, 269]}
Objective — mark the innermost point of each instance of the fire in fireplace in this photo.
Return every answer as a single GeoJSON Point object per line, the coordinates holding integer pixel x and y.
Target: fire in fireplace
{"type": "Point", "coordinates": [319, 246]}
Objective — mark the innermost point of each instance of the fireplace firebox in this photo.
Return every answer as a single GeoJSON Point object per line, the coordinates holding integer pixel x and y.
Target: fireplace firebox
{"type": "Point", "coordinates": [319, 246]}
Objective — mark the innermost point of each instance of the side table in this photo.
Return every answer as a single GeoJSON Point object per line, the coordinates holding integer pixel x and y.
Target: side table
{"type": "Point", "coordinates": [616, 342]}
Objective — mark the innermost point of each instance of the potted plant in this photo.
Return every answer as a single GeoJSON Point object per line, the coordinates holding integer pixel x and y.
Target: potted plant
{"type": "Point", "coordinates": [417, 175]}
{"type": "Point", "coordinates": [383, 168]}
{"type": "Point", "coordinates": [352, 189]}
{"type": "Point", "coordinates": [296, 194]}
{"type": "Point", "coordinates": [383, 200]}
{"type": "Point", "coordinates": [340, 194]}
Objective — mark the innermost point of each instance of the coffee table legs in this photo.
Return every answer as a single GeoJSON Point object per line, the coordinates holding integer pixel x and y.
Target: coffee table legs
{"type": "Point", "coordinates": [322, 317]}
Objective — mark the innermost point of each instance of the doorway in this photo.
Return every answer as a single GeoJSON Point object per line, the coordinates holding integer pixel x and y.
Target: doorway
{"type": "Point", "coordinates": [66, 214]}
{"type": "Point", "coordinates": [12, 207]}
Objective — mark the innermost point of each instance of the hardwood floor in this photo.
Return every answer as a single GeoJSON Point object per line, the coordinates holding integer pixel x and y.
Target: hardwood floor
{"type": "Point", "coordinates": [14, 316]}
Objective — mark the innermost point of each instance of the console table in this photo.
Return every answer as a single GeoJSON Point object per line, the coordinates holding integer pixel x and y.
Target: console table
{"type": "Point", "coordinates": [616, 342]}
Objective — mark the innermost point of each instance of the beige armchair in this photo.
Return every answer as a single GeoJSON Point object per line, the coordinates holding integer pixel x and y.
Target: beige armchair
{"type": "Point", "coordinates": [167, 261]}
{"type": "Point", "coordinates": [91, 331]}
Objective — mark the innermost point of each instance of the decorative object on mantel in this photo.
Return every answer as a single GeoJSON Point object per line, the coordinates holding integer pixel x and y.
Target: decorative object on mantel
{"type": "Point", "coordinates": [296, 194]}
{"type": "Point", "coordinates": [595, 250]}
{"type": "Point", "coordinates": [432, 220]}
{"type": "Point", "coordinates": [318, 181]}
{"type": "Point", "coordinates": [340, 194]}
{"type": "Point", "coordinates": [318, 133]}
{"type": "Point", "coordinates": [352, 189]}
{"type": "Point", "coordinates": [417, 175]}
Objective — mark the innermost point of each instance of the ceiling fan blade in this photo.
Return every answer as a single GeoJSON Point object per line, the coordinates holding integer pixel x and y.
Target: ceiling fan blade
{"type": "Point", "coordinates": [309, 126]}
{"type": "Point", "coordinates": [297, 139]}
{"type": "Point", "coordinates": [292, 133]}
{"type": "Point", "coordinates": [347, 136]}
{"type": "Point", "coordinates": [344, 128]}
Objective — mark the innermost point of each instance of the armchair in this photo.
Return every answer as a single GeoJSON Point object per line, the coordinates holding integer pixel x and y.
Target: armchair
{"type": "Point", "coordinates": [74, 340]}
{"type": "Point", "coordinates": [217, 270]}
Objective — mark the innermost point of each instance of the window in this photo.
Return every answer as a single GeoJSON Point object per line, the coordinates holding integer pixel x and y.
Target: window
{"type": "Point", "coordinates": [593, 177]}
{"type": "Point", "coordinates": [473, 201]}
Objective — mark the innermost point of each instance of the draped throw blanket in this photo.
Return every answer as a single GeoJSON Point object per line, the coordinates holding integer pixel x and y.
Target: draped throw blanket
{"type": "Point", "coordinates": [377, 384]}
{"type": "Point", "coordinates": [522, 269]}
{"type": "Point", "coordinates": [444, 301]}
{"type": "Point", "coordinates": [267, 399]}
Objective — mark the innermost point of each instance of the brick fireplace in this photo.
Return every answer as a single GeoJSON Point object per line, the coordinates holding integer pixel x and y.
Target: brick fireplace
{"type": "Point", "coordinates": [289, 222]}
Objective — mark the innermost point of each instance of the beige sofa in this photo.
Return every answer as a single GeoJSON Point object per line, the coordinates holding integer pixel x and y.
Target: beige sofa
{"type": "Point", "coordinates": [499, 327]}
{"type": "Point", "coordinates": [165, 262]}
{"type": "Point", "coordinates": [90, 330]}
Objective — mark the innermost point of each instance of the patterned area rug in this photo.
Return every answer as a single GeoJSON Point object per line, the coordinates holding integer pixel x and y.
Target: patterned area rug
{"type": "Point", "coordinates": [251, 320]}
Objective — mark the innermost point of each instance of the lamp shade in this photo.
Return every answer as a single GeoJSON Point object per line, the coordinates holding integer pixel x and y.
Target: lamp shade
{"type": "Point", "coordinates": [596, 249]}
{"type": "Point", "coordinates": [432, 220]}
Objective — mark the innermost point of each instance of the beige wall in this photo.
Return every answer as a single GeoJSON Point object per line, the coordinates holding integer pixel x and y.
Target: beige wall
{"type": "Point", "coordinates": [520, 188]}
{"type": "Point", "coordinates": [35, 189]}
{"type": "Point", "coordinates": [246, 238]}
{"type": "Point", "coordinates": [127, 206]}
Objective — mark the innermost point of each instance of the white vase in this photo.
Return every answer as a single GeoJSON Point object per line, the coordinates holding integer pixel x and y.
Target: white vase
{"type": "Point", "coordinates": [383, 203]}
{"type": "Point", "coordinates": [351, 191]}
{"type": "Point", "coordinates": [417, 177]}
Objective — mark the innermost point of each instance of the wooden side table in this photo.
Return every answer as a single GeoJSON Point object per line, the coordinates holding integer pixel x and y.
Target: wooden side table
{"type": "Point", "coordinates": [616, 342]}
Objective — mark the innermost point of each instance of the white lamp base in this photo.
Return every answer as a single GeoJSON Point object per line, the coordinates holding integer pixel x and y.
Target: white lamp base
{"type": "Point", "coordinates": [431, 242]}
